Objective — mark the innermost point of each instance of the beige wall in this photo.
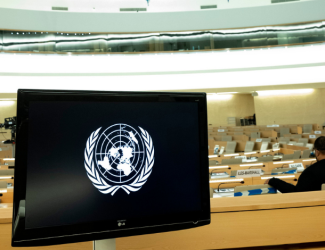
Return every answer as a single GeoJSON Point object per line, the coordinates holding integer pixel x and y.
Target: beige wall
{"type": "Point", "coordinates": [7, 109]}
{"type": "Point", "coordinates": [238, 106]}
{"type": "Point", "coordinates": [291, 109]}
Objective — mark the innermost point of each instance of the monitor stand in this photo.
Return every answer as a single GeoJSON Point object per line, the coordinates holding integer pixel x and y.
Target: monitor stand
{"type": "Point", "coordinates": [108, 244]}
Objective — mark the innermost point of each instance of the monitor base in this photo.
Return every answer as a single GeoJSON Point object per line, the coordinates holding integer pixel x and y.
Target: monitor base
{"type": "Point", "coordinates": [108, 244]}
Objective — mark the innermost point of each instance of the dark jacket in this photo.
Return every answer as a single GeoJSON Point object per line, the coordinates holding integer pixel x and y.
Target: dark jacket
{"type": "Point", "coordinates": [311, 179]}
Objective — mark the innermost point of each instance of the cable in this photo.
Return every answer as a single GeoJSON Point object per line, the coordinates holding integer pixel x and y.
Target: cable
{"type": "Point", "coordinates": [284, 165]}
{"type": "Point", "coordinates": [256, 167]}
{"type": "Point", "coordinates": [242, 182]}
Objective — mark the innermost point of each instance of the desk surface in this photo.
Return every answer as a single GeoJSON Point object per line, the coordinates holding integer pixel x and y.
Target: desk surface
{"type": "Point", "coordinates": [260, 202]}
{"type": "Point", "coordinates": [227, 204]}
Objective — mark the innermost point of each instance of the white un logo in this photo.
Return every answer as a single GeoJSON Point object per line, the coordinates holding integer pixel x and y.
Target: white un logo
{"type": "Point", "coordinates": [119, 157]}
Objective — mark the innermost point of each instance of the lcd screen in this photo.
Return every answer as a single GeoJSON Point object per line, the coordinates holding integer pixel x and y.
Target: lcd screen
{"type": "Point", "coordinates": [102, 161]}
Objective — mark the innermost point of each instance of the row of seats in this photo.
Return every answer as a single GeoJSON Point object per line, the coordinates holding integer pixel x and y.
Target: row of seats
{"type": "Point", "coordinates": [306, 128]}
{"type": "Point", "coordinates": [249, 146]}
{"type": "Point", "coordinates": [296, 155]}
{"type": "Point", "coordinates": [286, 140]}
{"type": "Point", "coordinates": [226, 137]}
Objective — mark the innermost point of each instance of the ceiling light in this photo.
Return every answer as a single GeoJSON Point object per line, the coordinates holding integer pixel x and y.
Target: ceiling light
{"type": "Point", "coordinates": [285, 92]}
{"type": "Point", "coordinates": [226, 93]}
{"type": "Point", "coordinates": [219, 97]}
{"type": "Point", "coordinates": [6, 103]}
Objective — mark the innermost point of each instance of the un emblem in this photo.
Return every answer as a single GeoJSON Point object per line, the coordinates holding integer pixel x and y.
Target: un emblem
{"type": "Point", "coordinates": [120, 157]}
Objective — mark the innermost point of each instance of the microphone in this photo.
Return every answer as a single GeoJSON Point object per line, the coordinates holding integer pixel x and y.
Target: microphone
{"type": "Point", "coordinates": [256, 166]}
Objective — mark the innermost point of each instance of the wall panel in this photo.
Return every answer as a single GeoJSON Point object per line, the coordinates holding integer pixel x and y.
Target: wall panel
{"type": "Point", "coordinates": [291, 109]}
{"type": "Point", "coordinates": [238, 106]}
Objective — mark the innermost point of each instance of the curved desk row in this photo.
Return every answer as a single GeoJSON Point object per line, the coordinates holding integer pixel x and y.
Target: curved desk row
{"type": "Point", "coordinates": [236, 222]}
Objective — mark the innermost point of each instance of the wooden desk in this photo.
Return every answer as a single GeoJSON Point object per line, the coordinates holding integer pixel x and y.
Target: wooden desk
{"type": "Point", "coordinates": [259, 221]}
{"type": "Point", "coordinates": [229, 167]}
{"type": "Point", "coordinates": [7, 197]}
{"type": "Point", "coordinates": [266, 220]}
{"type": "Point", "coordinates": [6, 154]}
{"type": "Point", "coordinates": [4, 167]}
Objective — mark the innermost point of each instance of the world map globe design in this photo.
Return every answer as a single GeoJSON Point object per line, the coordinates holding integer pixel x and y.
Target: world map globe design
{"type": "Point", "coordinates": [119, 153]}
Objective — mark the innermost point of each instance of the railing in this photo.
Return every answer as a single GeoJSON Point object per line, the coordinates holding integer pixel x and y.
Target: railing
{"type": "Point", "coordinates": [57, 42]}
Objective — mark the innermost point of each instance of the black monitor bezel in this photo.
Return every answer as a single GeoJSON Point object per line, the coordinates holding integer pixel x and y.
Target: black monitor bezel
{"type": "Point", "coordinates": [107, 229]}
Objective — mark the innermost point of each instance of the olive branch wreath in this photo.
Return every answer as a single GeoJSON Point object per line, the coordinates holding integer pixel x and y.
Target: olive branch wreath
{"type": "Point", "coordinates": [98, 181]}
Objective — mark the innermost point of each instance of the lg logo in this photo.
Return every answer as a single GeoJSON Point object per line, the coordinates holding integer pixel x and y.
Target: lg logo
{"type": "Point", "coordinates": [121, 223]}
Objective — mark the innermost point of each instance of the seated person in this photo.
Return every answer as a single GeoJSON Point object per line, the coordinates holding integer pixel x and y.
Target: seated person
{"type": "Point", "coordinates": [311, 179]}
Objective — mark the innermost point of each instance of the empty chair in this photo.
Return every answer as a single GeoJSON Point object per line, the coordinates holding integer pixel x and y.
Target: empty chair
{"type": "Point", "coordinates": [284, 131]}
{"type": "Point", "coordinates": [255, 135]}
{"type": "Point", "coordinates": [231, 161]}
{"type": "Point", "coordinates": [305, 153]}
{"type": "Point", "coordinates": [3, 185]}
{"type": "Point", "coordinates": [239, 130]}
{"type": "Point", "coordinates": [238, 133]}
{"type": "Point", "coordinates": [211, 192]}
{"type": "Point", "coordinates": [226, 138]}
{"type": "Point", "coordinates": [287, 157]}
{"type": "Point", "coordinates": [300, 144]}
{"type": "Point", "coordinates": [264, 146]}
{"type": "Point", "coordinates": [303, 140]}
{"type": "Point", "coordinates": [296, 154]}
{"type": "Point", "coordinates": [323, 187]}
{"type": "Point", "coordinates": [222, 133]}
{"type": "Point", "coordinates": [265, 158]}
{"type": "Point", "coordinates": [231, 146]}
{"type": "Point", "coordinates": [266, 139]}
{"type": "Point", "coordinates": [6, 172]}
{"type": "Point", "coordinates": [292, 143]}
{"type": "Point", "coordinates": [212, 162]}
{"type": "Point", "coordinates": [254, 130]}
{"type": "Point", "coordinates": [233, 173]}
{"type": "Point", "coordinates": [296, 136]}
{"type": "Point", "coordinates": [307, 128]}
{"type": "Point", "coordinates": [286, 139]}
{"type": "Point", "coordinates": [249, 146]}
{"type": "Point", "coordinates": [210, 138]}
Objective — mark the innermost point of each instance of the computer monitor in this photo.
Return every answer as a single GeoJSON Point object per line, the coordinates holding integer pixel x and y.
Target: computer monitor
{"type": "Point", "coordinates": [96, 165]}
